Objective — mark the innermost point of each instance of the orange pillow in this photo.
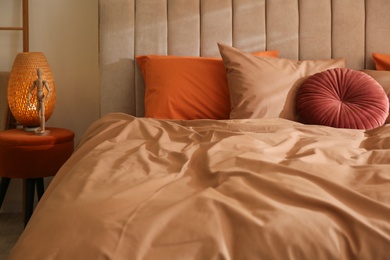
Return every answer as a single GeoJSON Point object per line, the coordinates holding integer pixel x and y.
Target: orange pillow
{"type": "Point", "coordinates": [178, 87]}
{"type": "Point", "coordinates": [382, 61]}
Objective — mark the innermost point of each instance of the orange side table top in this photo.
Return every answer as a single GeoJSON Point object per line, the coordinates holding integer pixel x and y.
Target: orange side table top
{"type": "Point", "coordinates": [25, 155]}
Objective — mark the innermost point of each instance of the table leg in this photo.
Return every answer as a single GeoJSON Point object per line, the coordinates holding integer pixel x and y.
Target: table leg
{"type": "Point", "coordinates": [3, 188]}
{"type": "Point", "coordinates": [29, 198]}
{"type": "Point", "coordinates": [40, 187]}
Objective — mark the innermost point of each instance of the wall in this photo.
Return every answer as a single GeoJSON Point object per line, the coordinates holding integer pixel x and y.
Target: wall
{"type": "Point", "coordinates": [66, 31]}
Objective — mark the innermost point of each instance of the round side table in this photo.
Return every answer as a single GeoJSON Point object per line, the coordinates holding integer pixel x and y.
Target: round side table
{"type": "Point", "coordinates": [31, 157]}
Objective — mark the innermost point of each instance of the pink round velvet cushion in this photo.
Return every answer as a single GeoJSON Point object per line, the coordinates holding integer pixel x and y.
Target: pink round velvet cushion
{"type": "Point", "coordinates": [342, 98]}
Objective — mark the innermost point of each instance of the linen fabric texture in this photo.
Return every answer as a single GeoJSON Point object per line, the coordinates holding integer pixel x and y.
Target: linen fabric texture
{"type": "Point", "coordinates": [264, 87]}
{"type": "Point", "coordinates": [179, 87]}
{"type": "Point", "coordinates": [194, 189]}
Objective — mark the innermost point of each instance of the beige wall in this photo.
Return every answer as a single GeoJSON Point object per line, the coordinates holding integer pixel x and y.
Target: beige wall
{"type": "Point", "coordinates": [67, 32]}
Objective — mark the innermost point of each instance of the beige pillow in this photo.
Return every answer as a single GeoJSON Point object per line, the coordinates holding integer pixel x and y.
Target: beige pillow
{"type": "Point", "coordinates": [262, 87]}
{"type": "Point", "coordinates": [383, 78]}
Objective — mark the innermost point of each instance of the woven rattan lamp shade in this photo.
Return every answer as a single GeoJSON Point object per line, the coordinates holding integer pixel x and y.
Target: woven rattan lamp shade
{"type": "Point", "coordinates": [22, 77]}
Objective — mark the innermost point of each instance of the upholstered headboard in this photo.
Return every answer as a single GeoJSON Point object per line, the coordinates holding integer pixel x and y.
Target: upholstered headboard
{"type": "Point", "coordinates": [4, 76]}
{"type": "Point", "coordinates": [299, 29]}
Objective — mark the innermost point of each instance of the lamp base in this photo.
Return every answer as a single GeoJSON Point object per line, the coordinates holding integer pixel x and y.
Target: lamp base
{"type": "Point", "coordinates": [30, 128]}
{"type": "Point", "coordinates": [41, 132]}
{"type": "Point", "coordinates": [36, 130]}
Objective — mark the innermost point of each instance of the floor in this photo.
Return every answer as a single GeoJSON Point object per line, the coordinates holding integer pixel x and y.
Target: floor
{"type": "Point", "coordinates": [11, 226]}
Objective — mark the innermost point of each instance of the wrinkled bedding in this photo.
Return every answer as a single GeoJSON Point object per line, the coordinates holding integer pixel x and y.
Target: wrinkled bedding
{"type": "Point", "coordinates": [139, 188]}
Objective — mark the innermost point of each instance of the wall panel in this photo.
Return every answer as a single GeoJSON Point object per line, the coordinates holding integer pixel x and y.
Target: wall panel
{"type": "Point", "coordinates": [116, 54]}
{"type": "Point", "coordinates": [315, 29]}
{"type": "Point", "coordinates": [283, 27]}
{"type": "Point", "coordinates": [348, 31]}
{"type": "Point", "coordinates": [249, 25]}
{"type": "Point", "coordinates": [184, 27]}
{"type": "Point", "coordinates": [216, 25]}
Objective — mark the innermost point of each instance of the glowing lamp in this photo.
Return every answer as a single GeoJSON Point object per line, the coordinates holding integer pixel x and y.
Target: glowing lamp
{"type": "Point", "coordinates": [22, 90]}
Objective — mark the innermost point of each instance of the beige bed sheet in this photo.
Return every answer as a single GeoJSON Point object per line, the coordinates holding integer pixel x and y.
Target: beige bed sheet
{"type": "Point", "coordinates": [139, 188]}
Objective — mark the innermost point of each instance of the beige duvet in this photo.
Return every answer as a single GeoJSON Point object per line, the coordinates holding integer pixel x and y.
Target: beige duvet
{"type": "Point", "coordinates": [246, 189]}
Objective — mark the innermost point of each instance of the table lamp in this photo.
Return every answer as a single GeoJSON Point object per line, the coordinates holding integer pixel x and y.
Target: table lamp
{"type": "Point", "coordinates": [31, 77]}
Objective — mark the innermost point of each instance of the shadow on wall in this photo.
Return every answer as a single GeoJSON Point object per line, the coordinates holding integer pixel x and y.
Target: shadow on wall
{"type": "Point", "coordinates": [117, 91]}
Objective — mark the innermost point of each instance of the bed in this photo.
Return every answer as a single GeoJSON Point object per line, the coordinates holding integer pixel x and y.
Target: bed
{"type": "Point", "coordinates": [215, 143]}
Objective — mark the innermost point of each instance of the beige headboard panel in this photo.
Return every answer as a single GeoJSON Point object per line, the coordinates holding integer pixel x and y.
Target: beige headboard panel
{"type": "Point", "coordinates": [4, 76]}
{"type": "Point", "coordinates": [299, 29]}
